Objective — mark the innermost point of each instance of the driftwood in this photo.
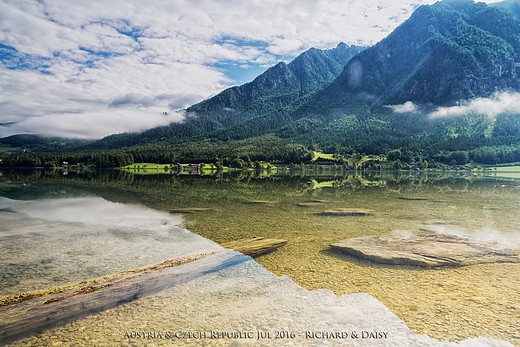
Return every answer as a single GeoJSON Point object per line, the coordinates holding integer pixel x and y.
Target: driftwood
{"type": "Point", "coordinates": [250, 246]}
{"type": "Point", "coordinates": [26, 313]}
{"type": "Point", "coordinates": [346, 212]}
{"type": "Point", "coordinates": [94, 284]}
{"type": "Point", "coordinates": [41, 313]}
{"type": "Point", "coordinates": [255, 246]}
{"type": "Point", "coordinates": [425, 250]}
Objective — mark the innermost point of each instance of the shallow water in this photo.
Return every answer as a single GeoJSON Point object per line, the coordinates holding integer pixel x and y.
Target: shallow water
{"type": "Point", "coordinates": [52, 242]}
{"type": "Point", "coordinates": [447, 304]}
{"type": "Point", "coordinates": [252, 305]}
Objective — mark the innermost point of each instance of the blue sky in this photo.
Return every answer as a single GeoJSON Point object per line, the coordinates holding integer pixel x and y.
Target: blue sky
{"type": "Point", "coordinates": [87, 69]}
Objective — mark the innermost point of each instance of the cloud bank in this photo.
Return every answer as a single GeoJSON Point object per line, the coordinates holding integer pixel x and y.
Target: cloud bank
{"type": "Point", "coordinates": [89, 69]}
{"type": "Point", "coordinates": [499, 103]}
{"type": "Point", "coordinates": [404, 108]}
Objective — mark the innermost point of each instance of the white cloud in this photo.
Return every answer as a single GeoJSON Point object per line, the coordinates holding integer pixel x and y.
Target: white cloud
{"type": "Point", "coordinates": [82, 56]}
{"type": "Point", "coordinates": [92, 105]}
{"type": "Point", "coordinates": [499, 103]}
{"type": "Point", "coordinates": [404, 108]}
{"type": "Point", "coordinates": [95, 124]}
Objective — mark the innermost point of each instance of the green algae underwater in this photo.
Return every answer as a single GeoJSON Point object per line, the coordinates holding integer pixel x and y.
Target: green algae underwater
{"type": "Point", "coordinates": [444, 303]}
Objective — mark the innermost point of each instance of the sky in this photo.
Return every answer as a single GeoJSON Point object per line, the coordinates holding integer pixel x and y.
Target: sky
{"type": "Point", "coordinates": [87, 69]}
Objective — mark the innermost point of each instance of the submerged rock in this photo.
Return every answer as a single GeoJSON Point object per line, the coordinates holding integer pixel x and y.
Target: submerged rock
{"type": "Point", "coordinates": [258, 202]}
{"type": "Point", "coordinates": [347, 212]}
{"type": "Point", "coordinates": [440, 222]}
{"type": "Point", "coordinates": [255, 246]}
{"type": "Point", "coordinates": [425, 250]}
{"type": "Point", "coordinates": [410, 198]}
{"type": "Point", "coordinates": [309, 204]}
{"type": "Point", "coordinates": [191, 210]}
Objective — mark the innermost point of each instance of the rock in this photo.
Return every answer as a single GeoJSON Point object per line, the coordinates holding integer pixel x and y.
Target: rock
{"type": "Point", "coordinates": [255, 246]}
{"type": "Point", "coordinates": [191, 210]}
{"type": "Point", "coordinates": [258, 202]}
{"type": "Point", "coordinates": [347, 212]}
{"type": "Point", "coordinates": [425, 250]}
{"type": "Point", "coordinates": [439, 222]}
{"type": "Point", "coordinates": [478, 299]}
{"type": "Point", "coordinates": [413, 199]}
{"type": "Point", "coordinates": [309, 204]}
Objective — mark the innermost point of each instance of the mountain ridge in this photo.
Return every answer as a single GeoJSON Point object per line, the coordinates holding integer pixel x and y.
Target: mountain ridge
{"type": "Point", "coordinates": [450, 51]}
{"type": "Point", "coordinates": [306, 74]}
{"type": "Point", "coordinates": [440, 55]}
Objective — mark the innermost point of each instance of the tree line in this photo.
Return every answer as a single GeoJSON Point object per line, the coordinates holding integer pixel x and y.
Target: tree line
{"type": "Point", "coordinates": [234, 153]}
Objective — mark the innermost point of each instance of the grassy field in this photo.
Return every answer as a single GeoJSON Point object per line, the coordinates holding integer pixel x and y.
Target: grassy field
{"type": "Point", "coordinates": [356, 162]}
{"type": "Point", "coordinates": [148, 166]}
{"type": "Point", "coordinates": [4, 149]}
{"type": "Point", "coordinates": [505, 165]}
{"type": "Point", "coordinates": [351, 161]}
{"type": "Point", "coordinates": [320, 155]}
{"type": "Point", "coordinates": [509, 168]}
{"type": "Point", "coordinates": [504, 171]}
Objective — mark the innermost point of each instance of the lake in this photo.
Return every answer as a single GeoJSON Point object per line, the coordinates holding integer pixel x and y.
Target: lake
{"type": "Point", "coordinates": [64, 227]}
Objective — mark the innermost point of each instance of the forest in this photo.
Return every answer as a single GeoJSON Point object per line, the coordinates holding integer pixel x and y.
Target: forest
{"type": "Point", "coordinates": [242, 153]}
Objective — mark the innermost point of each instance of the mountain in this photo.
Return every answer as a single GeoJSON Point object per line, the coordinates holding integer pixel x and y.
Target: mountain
{"type": "Point", "coordinates": [450, 51]}
{"type": "Point", "coordinates": [30, 142]}
{"type": "Point", "coordinates": [278, 87]}
{"type": "Point", "coordinates": [510, 5]}
{"type": "Point", "coordinates": [343, 100]}
{"type": "Point", "coordinates": [444, 53]}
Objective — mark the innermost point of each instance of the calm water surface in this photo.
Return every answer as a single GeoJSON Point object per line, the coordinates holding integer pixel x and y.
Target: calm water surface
{"type": "Point", "coordinates": [126, 224]}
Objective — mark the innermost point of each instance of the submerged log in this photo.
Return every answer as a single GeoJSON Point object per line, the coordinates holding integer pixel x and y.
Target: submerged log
{"type": "Point", "coordinates": [27, 313]}
{"type": "Point", "coordinates": [255, 246]}
{"type": "Point", "coordinates": [425, 250]}
{"type": "Point", "coordinates": [92, 284]}
{"type": "Point", "coordinates": [347, 212]}
{"type": "Point", "coordinates": [41, 313]}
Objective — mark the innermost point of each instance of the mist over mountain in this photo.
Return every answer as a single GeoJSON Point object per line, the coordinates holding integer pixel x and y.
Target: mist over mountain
{"type": "Point", "coordinates": [444, 54]}
{"type": "Point", "coordinates": [280, 86]}
{"type": "Point", "coordinates": [448, 53]}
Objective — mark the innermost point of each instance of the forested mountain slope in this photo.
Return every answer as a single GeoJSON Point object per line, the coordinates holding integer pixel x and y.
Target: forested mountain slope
{"type": "Point", "coordinates": [278, 87]}
{"type": "Point", "coordinates": [377, 99]}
